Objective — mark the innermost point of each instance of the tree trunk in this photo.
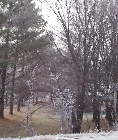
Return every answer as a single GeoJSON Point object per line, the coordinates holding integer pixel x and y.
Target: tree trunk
{"type": "Point", "coordinates": [109, 114]}
{"type": "Point", "coordinates": [3, 78]}
{"type": "Point", "coordinates": [74, 122]}
{"type": "Point", "coordinates": [6, 99]}
{"type": "Point", "coordinates": [81, 95]}
{"type": "Point", "coordinates": [80, 98]}
{"type": "Point", "coordinates": [19, 103]}
{"type": "Point", "coordinates": [12, 95]}
{"type": "Point", "coordinates": [37, 99]}
{"type": "Point", "coordinates": [117, 103]}
{"type": "Point", "coordinates": [18, 109]}
{"type": "Point", "coordinates": [11, 103]}
{"type": "Point", "coordinates": [96, 113]}
{"type": "Point", "coordinates": [13, 85]}
{"type": "Point", "coordinates": [96, 101]}
{"type": "Point", "coordinates": [62, 120]}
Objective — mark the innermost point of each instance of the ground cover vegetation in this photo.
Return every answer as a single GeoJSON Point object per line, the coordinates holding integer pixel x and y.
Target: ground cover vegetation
{"type": "Point", "coordinates": [82, 78]}
{"type": "Point", "coordinates": [43, 122]}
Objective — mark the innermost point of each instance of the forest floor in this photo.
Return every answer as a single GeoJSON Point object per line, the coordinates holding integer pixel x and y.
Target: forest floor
{"type": "Point", "coordinates": [43, 121]}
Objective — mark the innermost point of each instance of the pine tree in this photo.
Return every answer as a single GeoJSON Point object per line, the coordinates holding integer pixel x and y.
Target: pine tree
{"type": "Point", "coordinates": [23, 34]}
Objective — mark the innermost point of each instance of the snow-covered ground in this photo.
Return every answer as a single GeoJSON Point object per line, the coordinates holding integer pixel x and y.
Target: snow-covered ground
{"type": "Point", "coordinates": [87, 136]}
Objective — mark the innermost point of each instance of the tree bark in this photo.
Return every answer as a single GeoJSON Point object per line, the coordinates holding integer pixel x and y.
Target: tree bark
{"type": "Point", "coordinates": [3, 77]}
{"type": "Point", "coordinates": [2, 93]}
{"type": "Point", "coordinates": [109, 114]}
{"type": "Point", "coordinates": [96, 113]}
{"type": "Point", "coordinates": [13, 85]}
{"type": "Point", "coordinates": [19, 104]}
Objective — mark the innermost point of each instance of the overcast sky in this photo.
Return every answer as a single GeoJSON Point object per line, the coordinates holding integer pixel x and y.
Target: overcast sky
{"type": "Point", "coordinates": [49, 16]}
{"type": "Point", "coordinates": [53, 24]}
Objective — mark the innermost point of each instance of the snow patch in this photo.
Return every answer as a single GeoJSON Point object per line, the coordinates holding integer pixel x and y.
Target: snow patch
{"type": "Point", "coordinates": [87, 136]}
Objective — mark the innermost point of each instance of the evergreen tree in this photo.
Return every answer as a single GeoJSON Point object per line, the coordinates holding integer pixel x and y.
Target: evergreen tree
{"type": "Point", "coordinates": [23, 34]}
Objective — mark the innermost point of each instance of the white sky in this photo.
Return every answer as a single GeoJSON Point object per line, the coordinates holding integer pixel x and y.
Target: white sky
{"type": "Point", "coordinates": [53, 24]}
{"type": "Point", "coordinates": [49, 16]}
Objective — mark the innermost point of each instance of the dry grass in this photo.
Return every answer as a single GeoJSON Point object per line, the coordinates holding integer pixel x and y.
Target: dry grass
{"type": "Point", "coordinates": [89, 126]}
{"type": "Point", "coordinates": [44, 121]}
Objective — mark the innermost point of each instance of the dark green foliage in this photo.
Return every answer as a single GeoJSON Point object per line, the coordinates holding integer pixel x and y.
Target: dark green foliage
{"type": "Point", "coordinates": [23, 34]}
{"type": "Point", "coordinates": [1, 18]}
{"type": "Point", "coordinates": [3, 63]}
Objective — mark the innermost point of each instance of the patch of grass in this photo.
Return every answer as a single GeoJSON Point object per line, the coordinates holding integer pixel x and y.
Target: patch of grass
{"type": "Point", "coordinates": [89, 126]}
{"type": "Point", "coordinates": [9, 128]}
{"type": "Point", "coordinates": [44, 121]}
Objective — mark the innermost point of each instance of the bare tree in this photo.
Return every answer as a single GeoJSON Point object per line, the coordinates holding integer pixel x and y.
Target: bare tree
{"type": "Point", "coordinates": [86, 29]}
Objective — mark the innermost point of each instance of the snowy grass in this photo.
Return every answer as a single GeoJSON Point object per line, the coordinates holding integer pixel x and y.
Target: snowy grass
{"type": "Point", "coordinates": [87, 136]}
